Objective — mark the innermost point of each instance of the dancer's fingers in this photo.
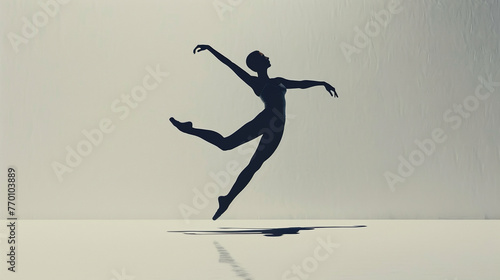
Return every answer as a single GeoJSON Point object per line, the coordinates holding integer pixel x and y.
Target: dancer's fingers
{"type": "Point", "coordinates": [329, 91]}
{"type": "Point", "coordinates": [198, 48]}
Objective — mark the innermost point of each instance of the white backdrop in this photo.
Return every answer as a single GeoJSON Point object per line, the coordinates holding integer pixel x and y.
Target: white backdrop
{"type": "Point", "coordinates": [414, 134]}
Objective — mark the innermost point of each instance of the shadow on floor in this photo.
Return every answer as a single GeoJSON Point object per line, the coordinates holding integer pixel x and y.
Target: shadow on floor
{"type": "Point", "coordinates": [270, 232]}
{"type": "Point", "coordinates": [225, 257]}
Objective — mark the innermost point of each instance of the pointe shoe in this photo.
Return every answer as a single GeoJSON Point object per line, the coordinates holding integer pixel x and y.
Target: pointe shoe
{"type": "Point", "coordinates": [223, 205]}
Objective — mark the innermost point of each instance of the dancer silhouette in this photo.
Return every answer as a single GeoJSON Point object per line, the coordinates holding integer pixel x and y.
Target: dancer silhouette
{"type": "Point", "coordinates": [269, 123]}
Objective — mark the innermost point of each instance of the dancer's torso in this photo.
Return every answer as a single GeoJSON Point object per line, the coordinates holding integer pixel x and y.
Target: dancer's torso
{"type": "Point", "coordinates": [273, 96]}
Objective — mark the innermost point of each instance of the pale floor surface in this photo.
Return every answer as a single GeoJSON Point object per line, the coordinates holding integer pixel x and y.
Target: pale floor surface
{"type": "Point", "coordinates": [143, 250]}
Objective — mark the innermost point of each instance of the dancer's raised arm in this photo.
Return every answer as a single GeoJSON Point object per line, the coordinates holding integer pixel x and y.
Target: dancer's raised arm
{"type": "Point", "coordinates": [289, 84]}
{"type": "Point", "coordinates": [236, 69]}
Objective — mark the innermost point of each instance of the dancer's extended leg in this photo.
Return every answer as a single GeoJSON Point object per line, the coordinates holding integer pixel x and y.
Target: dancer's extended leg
{"type": "Point", "coordinates": [265, 149]}
{"type": "Point", "coordinates": [247, 132]}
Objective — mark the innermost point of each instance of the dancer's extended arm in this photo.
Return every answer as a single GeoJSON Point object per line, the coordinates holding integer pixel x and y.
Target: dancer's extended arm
{"type": "Point", "coordinates": [307, 84]}
{"type": "Point", "coordinates": [236, 69]}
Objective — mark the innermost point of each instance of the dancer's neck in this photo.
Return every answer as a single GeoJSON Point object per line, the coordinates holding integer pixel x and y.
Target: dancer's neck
{"type": "Point", "coordinates": [263, 75]}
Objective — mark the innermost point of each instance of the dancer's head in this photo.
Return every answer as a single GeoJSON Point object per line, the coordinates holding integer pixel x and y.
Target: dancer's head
{"type": "Point", "coordinates": [257, 61]}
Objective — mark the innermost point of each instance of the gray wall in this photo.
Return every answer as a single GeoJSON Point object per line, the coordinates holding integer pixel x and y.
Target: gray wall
{"type": "Point", "coordinates": [414, 134]}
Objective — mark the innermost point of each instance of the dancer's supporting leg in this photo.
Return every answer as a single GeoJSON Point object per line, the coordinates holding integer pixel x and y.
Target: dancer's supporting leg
{"type": "Point", "coordinates": [266, 148]}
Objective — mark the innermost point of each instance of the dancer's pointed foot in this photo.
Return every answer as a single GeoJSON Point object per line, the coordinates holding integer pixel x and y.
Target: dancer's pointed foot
{"type": "Point", "coordinates": [184, 127]}
{"type": "Point", "coordinates": [223, 205]}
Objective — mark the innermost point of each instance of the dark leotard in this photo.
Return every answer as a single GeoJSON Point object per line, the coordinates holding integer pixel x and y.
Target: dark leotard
{"type": "Point", "coordinates": [273, 96]}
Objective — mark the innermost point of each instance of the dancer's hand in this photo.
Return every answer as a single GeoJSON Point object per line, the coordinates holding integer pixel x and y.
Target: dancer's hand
{"type": "Point", "coordinates": [201, 48]}
{"type": "Point", "coordinates": [330, 89]}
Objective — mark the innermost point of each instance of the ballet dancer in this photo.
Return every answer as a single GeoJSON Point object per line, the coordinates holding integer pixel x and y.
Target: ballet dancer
{"type": "Point", "coordinates": [269, 123]}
